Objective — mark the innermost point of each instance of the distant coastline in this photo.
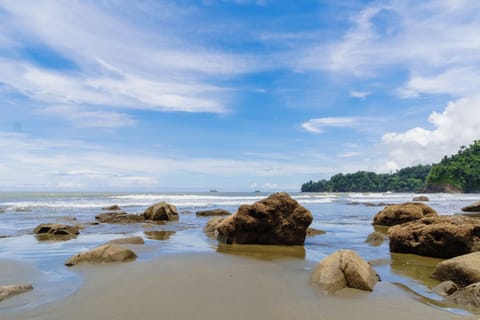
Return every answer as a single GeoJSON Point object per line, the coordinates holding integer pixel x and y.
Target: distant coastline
{"type": "Point", "coordinates": [459, 173]}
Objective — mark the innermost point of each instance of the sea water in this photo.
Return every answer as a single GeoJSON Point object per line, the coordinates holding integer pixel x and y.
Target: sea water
{"type": "Point", "coordinates": [345, 217]}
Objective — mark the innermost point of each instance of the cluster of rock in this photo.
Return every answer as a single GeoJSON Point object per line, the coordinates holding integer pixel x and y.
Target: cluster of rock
{"type": "Point", "coordinates": [56, 231]}
{"type": "Point", "coordinates": [416, 228]}
{"type": "Point", "coordinates": [161, 211]}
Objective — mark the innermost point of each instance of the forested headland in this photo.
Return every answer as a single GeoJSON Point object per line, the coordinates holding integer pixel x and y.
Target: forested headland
{"type": "Point", "coordinates": [456, 173]}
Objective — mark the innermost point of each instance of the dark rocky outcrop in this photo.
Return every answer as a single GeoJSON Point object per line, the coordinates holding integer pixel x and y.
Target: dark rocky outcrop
{"type": "Point", "coordinates": [474, 207]}
{"type": "Point", "coordinates": [401, 213]}
{"type": "Point", "coordinates": [376, 238]}
{"type": "Point", "coordinates": [420, 198]}
{"type": "Point", "coordinates": [114, 207]}
{"type": "Point", "coordinates": [463, 270]}
{"type": "Point", "coordinates": [55, 231]}
{"type": "Point", "coordinates": [103, 254]}
{"type": "Point", "coordinates": [161, 212]}
{"type": "Point", "coordinates": [344, 269]}
{"type": "Point", "coordinates": [12, 290]}
{"type": "Point", "coordinates": [440, 237]}
{"type": "Point", "coordinates": [119, 217]}
{"type": "Point", "coordinates": [276, 220]}
{"type": "Point", "coordinates": [129, 240]}
{"type": "Point", "coordinates": [214, 212]}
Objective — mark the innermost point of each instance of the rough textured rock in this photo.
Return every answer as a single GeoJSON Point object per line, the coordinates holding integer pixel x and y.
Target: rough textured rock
{"type": "Point", "coordinates": [212, 224]}
{"type": "Point", "coordinates": [440, 237]}
{"type": "Point", "coordinates": [103, 254]}
{"type": "Point", "coordinates": [276, 220]}
{"type": "Point", "coordinates": [119, 217]}
{"type": "Point", "coordinates": [12, 290]}
{"type": "Point", "coordinates": [342, 269]}
{"type": "Point", "coordinates": [462, 270]}
{"type": "Point", "coordinates": [420, 198]}
{"type": "Point", "coordinates": [401, 213]}
{"type": "Point", "coordinates": [214, 212]}
{"type": "Point", "coordinates": [55, 231]}
{"type": "Point", "coordinates": [376, 238]}
{"type": "Point", "coordinates": [161, 212]}
{"type": "Point", "coordinates": [445, 288]}
{"type": "Point", "coordinates": [312, 232]}
{"type": "Point", "coordinates": [474, 207]}
{"type": "Point", "coordinates": [129, 240]}
{"type": "Point", "coordinates": [114, 207]}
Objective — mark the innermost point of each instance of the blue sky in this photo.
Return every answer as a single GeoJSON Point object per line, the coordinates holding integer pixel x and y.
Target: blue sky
{"type": "Point", "coordinates": [231, 95]}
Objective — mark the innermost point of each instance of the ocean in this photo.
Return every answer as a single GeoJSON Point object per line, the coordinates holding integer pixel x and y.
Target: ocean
{"type": "Point", "coordinates": [345, 217]}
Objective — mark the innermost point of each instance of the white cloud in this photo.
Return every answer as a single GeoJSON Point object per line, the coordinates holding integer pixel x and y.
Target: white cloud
{"type": "Point", "coordinates": [360, 94]}
{"type": "Point", "coordinates": [319, 125]}
{"type": "Point", "coordinates": [458, 124]}
{"type": "Point", "coordinates": [85, 118]}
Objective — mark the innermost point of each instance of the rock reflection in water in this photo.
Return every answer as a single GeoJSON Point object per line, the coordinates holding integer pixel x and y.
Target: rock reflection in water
{"type": "Point", "coordinates": [262, 252]}
{"type": "Point", "coordinates": [159, 235]}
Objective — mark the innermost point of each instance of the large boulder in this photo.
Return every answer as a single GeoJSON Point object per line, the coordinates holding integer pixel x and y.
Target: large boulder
{"type": "Point", "coordinates": [276, 220]}
{"type": "Point", "coordinates": [401, 213]}
{"type": "Point", "coordinates": [104, 254]}
{"type": "Point", "coordinates": [161, 212]}
{"type": "Point", "coordinates": [119, 217]}
{"type": "Point", "coordinates": [55, 231]}
{"type": "Point", "coordinates": [342, 269]}
{"type": "Point", "coordinates": [474, 207]}
{"type": "Point", "coordinates": [463, 270]}
{"type": "Point", "coordinates": [441, 237]}
{"type": "Point", "coordinates": [12, 290]}
{"type": "Point", "coordinates": [214, 212]}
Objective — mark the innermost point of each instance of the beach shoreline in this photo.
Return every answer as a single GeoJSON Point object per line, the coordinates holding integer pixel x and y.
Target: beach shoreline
{"type": "Point", "coordinates": [216, 285]}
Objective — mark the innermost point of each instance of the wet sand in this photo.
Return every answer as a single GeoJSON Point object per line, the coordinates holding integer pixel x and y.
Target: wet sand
{"type": "Point", "coordinates": [221, 286]}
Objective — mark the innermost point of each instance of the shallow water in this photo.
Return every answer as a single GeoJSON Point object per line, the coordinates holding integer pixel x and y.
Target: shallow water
{"type": "Point", "coordinates": [345, 218]}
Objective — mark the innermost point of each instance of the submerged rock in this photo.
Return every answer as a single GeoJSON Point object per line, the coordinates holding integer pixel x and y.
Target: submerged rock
{"type": "Point", "coordinates": [12, 290]}
{"type": "Point", "coordinates": [463, 270]}
{"type": "Point", "coordinates": [440, 237]}
{"type": "Point", "coordinates": [214, 212]}
{"type": "Point", "coordinates": [401, 213]}
{"type": "Point", "coordinates": [312, 232]}
{"type": "Point", "coordinates": [129, 240]}
{"type": "Point", "coordinates": [114, 207]}
{"type": "Point", "coordinates": [376, 238]}
{"type": "Point", "coordinates": [119, 217]}
{"type": "Point", "coordinates": [474, 207]}
{"type": "Point", "coordinates": [276, 220]}
{"type": "Point", "coordinates": [161, 212]}
{"type": "Point", "coordinates": [344, 269]}
{"type": "Point", "coordinates": [420, 198]}
{"type": "Point", "coordinates": [55, 231]}
{"type": "Point", "coordinates": [104, 254]}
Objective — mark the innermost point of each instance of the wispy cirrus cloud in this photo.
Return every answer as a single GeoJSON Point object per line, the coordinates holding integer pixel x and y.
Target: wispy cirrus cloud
{"type": "Point", "coordinates": [319, 125]}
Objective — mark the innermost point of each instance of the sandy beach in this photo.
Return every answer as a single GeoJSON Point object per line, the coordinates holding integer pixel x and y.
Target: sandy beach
{"type": "Point", "coordinates": [218, 286]}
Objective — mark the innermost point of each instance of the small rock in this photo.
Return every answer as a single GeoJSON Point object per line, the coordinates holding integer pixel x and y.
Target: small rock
{"type": "Point", "coordinates": [119, 217]}
{"type": "Point", "coordinates": [114, 207]}
{"type": "Point", "coordinates": [445, 288]}
{"type": "Point", "coordinates": [474, 207]}
{"type": "Point", "coordinates": [376, 238]}
{"type": "Point", "coordinates": [463, 270]}
{"type": "Point", "coordinates": [342, 269]}
{"type": "Point", "coordinates": [2, 210]}
{"type": "Point", "coordinates": [104, 254]}
{"type": "Point", "coordinates": [129, 240]}
{"type": "Point", "coordinates": [214, 212]}
{"type": "Point", "coordinates": [161, 212]}
{"type": "Point", "coordinates": [420, 198]}
{"type": "Point", "coordinates": [12, 290]}
{"type": "Point", "coordinates": [212, 224]}
{"type": "Point", "coordinates": [401, 213]}
{"type": "Point", "coordinates": [312, 232]}
{"type": "Point", "coordinates": [55, 231]}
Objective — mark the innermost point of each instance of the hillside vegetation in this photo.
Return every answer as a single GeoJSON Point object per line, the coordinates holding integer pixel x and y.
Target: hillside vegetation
{"type": "Point", "coordinates": [457, 173]}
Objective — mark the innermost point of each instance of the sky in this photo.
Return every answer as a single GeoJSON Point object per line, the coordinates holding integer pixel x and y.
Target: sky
{"type": "Point", "coordinates": [232, 95]}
